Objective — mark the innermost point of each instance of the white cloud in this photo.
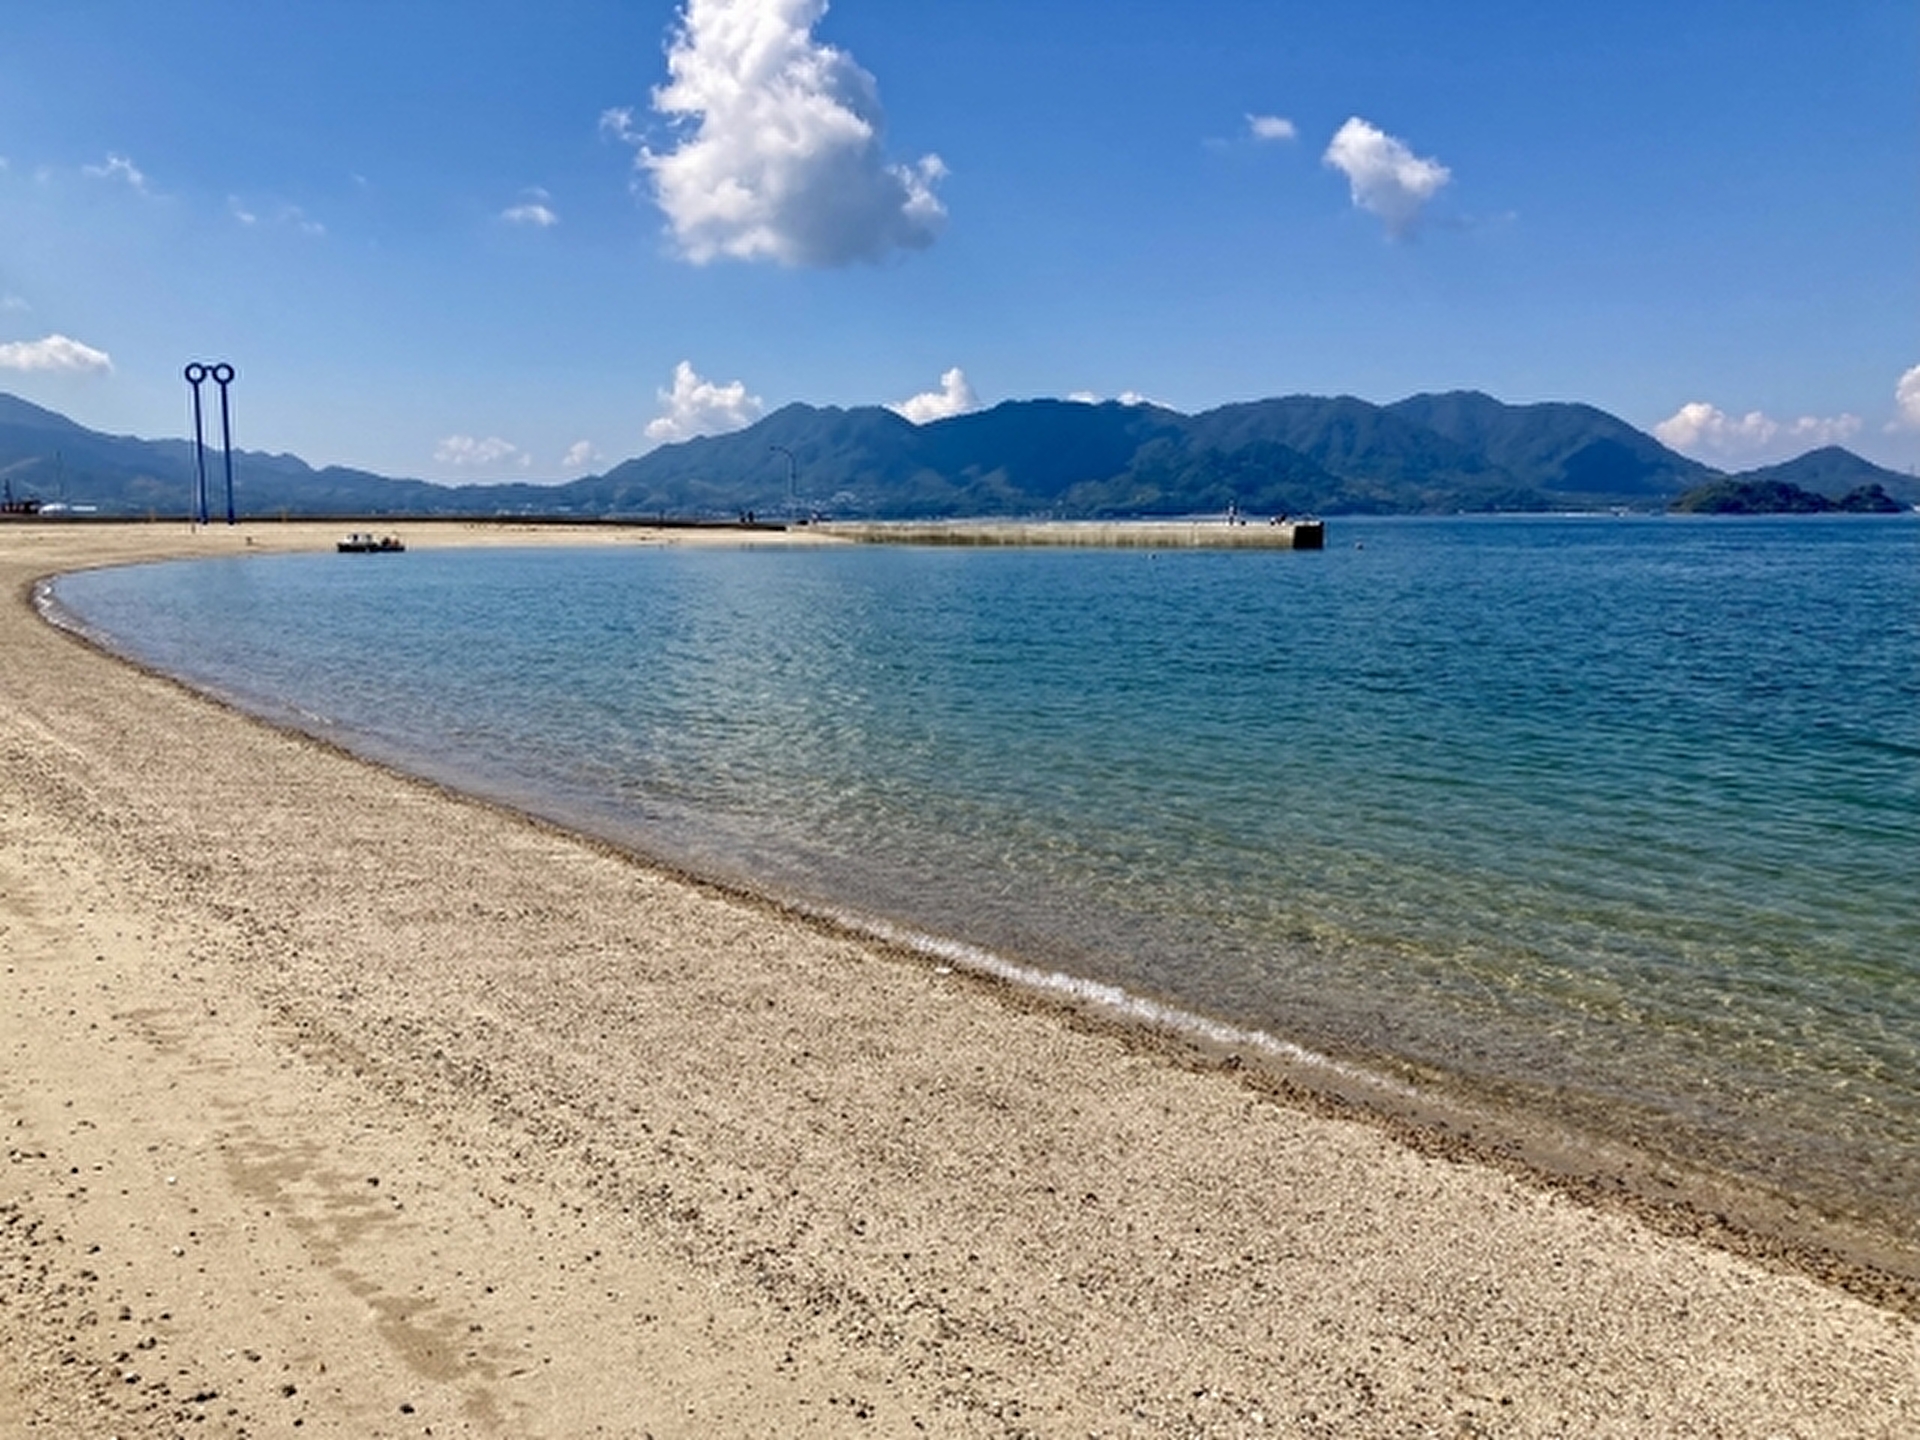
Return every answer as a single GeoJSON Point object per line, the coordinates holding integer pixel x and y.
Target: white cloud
{"type": "Point", "coordinates": [467, 452]}
{"type": "Point", "coordinates": [291, 216]}
{"type": "Point", "coordinates": [119, 167]}
{"type": "Point", "coordinates": [616, 123]}
{"type": "Point", "coordinates": [779, 154]}
{"type": "Point", "coordinates": [580, 454]}
{"type": "Point", "coordinates": [56, 352]}
{"type": "Point", "coordinates": [1906, 395]}
{"type": "Point", "coordinates": [1705, 431]}
{"type": "Point", "coordinates": [1125, 397]}
{"type": "Point", "coordinates": [1271, 127]}
{"type": "Point", "coordinates": [1386, 178]}
{"type": "Point", "coordinates": [533, 209]}
{"type": "Point", "coordinates": [699, 407]}
{"type": "Point", "coordinates": [13, 302]}
{"type": "Point", "coordinates": [954, 397]}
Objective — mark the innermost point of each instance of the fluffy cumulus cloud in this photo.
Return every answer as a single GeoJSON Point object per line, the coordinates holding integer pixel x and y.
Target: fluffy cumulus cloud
{"type": "Point", "coordinates": [56, 352]}
{"type": "Point", "coordinates": [468, 452]}
{"type": "Point", "coordinates": [1270, 127]}
{"type": "Point", "coordinates": [1707, 432]}
{"type": "Point", "coordinates": [954, 397]}
{"type": "Point", "coordinates": [696, 406]}
{"type": "Point", "coordinates": [579, 455]}
{"type": "Point", "coordinates": [1386, 178]}
{"type": "Point", "coordinates": [1906, 396]}
{"type": "Point", "coordinates": [780, 152]}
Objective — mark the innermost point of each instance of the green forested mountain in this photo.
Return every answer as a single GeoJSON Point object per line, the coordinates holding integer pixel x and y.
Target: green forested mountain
{"type": "Point", "coordinates": [1295, 454]}
{"type": "Point", "coordinates": [1575, 453]}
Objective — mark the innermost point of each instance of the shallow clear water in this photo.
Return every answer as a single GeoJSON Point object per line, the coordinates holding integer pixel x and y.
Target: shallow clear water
{"type": "Point", "coordinates": [1616, 816]}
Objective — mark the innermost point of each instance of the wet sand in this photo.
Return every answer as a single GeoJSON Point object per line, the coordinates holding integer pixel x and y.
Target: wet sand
{"type": "Point", "coordinates": [335, 1100]}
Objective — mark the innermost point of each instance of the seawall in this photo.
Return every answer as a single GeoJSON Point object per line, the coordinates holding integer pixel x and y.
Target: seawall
{"type": "Point", "coordinates": [1208, 534]}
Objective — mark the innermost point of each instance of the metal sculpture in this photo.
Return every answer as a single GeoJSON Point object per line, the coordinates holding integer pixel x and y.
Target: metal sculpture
{"type": "Point", "coordinates": [222, 375]}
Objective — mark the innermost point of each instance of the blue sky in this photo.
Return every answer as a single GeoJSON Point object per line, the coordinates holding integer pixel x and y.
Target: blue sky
{"type": "Point", "coordinates": [493, 239]}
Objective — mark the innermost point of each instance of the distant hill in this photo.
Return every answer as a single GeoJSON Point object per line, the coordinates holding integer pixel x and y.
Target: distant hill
{"type": "Point", "coordinates": [1294, 454]}
{"type": "Point", "coordinates": [47, 456]}
{"type": "Point", "coordinates": [1575, 453]}
{"type": "Point", "coordinates": [1833, 472]}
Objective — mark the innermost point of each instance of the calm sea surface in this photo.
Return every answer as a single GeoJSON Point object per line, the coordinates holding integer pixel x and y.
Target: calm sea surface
{"type": "Point", "coordinates": [1616, 817]}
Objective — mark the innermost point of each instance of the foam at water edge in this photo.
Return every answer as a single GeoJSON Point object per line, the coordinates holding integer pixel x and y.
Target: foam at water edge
{"type": "Point", "coordinates": [1110, 1000]}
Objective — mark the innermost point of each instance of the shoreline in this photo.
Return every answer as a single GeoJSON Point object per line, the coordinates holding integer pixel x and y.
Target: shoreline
{"type": "Point", "coordinates": [1005, 1235]}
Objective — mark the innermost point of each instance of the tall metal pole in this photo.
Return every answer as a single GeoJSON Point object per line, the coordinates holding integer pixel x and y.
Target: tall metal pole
{"type": "Point", "coordinates": [223, 377]}
{"type": "Point", "coordinates": [196, 373]}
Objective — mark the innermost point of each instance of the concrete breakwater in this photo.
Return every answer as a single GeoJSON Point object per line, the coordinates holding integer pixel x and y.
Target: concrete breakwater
{"type": "Point", "coordinates": [1208, 534]}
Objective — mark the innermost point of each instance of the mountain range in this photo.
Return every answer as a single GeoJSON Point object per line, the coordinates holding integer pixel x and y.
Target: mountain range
{"type": "Point", "coordinates": [1298, 454]}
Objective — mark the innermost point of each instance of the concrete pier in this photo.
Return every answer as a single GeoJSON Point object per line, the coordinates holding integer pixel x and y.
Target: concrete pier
{"type": "Point", "coordinates": [1208, 534]}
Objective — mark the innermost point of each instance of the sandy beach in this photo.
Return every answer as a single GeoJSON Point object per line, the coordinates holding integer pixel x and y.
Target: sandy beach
{"type": "Point", "coordinates": [338, 1104]}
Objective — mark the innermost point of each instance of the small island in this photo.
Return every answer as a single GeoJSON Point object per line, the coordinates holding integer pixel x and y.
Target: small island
{"type": "Point", "coordinates": [1779, 497]}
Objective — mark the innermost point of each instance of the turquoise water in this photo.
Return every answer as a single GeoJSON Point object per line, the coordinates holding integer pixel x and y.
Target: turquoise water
{"type": "Point", "coordinates": [1619, 818]}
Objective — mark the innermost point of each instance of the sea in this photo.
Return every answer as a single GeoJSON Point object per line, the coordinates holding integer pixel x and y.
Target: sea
{"type": "Point", "coordinates": [1614, 820]}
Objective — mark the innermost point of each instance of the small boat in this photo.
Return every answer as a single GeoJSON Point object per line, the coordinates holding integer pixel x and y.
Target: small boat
{"type": "Point", "coordinates": [360, 542]}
